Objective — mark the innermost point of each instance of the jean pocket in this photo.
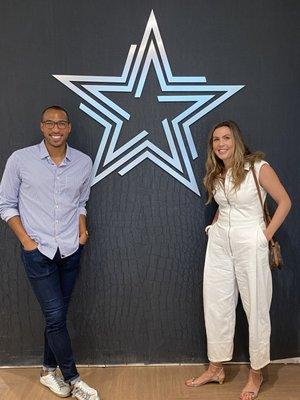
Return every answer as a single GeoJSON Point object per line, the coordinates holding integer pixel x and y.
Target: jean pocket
{"type": "Point", "coordinates": [36, 264]}
{"type": "Point", "coordinates": [30, 251]}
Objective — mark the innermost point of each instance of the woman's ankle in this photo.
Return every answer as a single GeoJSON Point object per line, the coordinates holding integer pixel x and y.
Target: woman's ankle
{"type": "Point", "coordinates": [256, 371]}
{"type": "Point", "coordinates": [216, 365]}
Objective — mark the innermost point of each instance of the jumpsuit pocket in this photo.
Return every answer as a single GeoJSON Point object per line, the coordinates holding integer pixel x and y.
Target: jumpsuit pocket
{"type": "Point", "coordinates": [263, 240]}
{"type": "Point", "coordinates": [209, 229]}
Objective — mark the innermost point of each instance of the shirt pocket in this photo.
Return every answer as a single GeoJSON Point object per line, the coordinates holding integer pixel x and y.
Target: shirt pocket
{"type": "Point", "coordinates": [71, 187]}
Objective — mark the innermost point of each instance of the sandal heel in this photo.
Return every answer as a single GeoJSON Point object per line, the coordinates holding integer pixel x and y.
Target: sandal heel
{"type": "Point", "coordinates": [221, 376]}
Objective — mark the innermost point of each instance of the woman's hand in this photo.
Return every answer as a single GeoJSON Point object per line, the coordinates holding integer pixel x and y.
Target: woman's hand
{"type": "Point", "coordinates": [267, 235]}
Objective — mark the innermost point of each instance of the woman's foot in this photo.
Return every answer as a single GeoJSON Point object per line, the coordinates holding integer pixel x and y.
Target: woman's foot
{"type": "Point", "coordinates": [214, 373]}
{"type": "Point", "coordinates": [250, 391]}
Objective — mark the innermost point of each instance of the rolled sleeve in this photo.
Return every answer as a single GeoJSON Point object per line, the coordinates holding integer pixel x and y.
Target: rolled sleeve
{"type": "Point", "coordinates": [9, 189]}
{"type": "Point", "coordinates": [9, 213]}
{"type": "Point", "coordinates": [82, 211]}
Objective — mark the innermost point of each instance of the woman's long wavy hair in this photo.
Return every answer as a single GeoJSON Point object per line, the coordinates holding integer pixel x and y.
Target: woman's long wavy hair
{"type": "Point", "coordinates": [215, 166]}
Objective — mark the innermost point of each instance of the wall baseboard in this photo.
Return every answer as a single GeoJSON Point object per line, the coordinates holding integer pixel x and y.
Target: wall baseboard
{"type": "Point", "coordinates": [295, 360]}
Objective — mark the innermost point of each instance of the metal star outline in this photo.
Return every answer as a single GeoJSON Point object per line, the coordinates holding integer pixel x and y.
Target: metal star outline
{"type": "Point", "coordinates": [111, 116]}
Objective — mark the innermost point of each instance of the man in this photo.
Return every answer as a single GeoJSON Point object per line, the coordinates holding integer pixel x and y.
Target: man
{"type": "Point", "coordinates": [43, 194]}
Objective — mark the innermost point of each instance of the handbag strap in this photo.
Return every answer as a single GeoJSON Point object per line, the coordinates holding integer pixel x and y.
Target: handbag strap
{"type": "Point", "coordinates": [267, 217]}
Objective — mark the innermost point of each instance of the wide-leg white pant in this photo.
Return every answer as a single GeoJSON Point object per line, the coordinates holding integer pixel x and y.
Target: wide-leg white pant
{"type": "Point", "coordinates": [237, 261]}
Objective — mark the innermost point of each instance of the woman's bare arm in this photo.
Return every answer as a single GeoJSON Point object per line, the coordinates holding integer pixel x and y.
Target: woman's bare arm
{"type": "Point", "coordinates": [269, 180]}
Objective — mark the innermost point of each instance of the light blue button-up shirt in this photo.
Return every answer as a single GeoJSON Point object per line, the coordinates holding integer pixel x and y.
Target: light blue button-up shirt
{"type": "Point", "coordinates": [48, 198]}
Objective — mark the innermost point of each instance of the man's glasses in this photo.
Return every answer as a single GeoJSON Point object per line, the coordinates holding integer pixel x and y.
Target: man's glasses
{"type": "Point", "coordinates": [51, 124]}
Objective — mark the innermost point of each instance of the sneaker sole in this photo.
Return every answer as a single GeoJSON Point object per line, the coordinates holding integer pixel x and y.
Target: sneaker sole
{"type": "Point", "coordinates": [97, 398]}
{"type": "Point", "coordinates": [53, 391]}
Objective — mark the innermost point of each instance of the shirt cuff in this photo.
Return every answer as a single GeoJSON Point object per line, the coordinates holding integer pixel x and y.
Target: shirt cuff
{"type": "Point", "coordinates": [9, 213]}
{"type": "Point", "coordinates": [82, 211]}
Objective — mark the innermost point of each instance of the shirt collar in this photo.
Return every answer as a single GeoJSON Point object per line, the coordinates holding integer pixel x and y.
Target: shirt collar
{"type": "Point", "coordinates": [45, 154]}
{"type": "Point", "coordinates": [43, 150]}
{"type": "Point", "coordinates": [69, 153]}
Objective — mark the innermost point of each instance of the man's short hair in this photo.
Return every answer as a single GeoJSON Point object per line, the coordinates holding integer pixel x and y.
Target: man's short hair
{"type": "Point", "coordinates": [55, 108]}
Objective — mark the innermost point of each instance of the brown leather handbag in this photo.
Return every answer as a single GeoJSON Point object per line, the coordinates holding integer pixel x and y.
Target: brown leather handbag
{"type": "Point", "coordinates": [275, 259]}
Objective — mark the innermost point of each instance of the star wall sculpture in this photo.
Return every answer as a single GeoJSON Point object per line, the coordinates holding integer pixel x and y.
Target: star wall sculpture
{"type": "Point", "coordinates": [95, 90]}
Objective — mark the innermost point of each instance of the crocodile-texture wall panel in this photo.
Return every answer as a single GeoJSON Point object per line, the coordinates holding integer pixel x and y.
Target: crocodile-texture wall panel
{"type": "Point", "coordinates": [138, 297]}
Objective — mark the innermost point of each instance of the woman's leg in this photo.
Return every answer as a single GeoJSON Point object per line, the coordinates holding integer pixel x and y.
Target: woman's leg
{"type": "Point", "coordinates": [253, 385]}
{"type": "Point", "coordinates": [220, 298]}
{"type": "Point", "coordinates": [255, 286]}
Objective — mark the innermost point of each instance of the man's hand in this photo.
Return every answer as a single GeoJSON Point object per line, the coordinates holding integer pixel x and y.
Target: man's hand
{"type": "Point", "coordinates": [83, 233]}
{"type": "Point", "coordinates": [16, 225]}
{"type": "Point", "coordinates": [83, 237]}
{"type": "Point", "coordinates": [29, 244]}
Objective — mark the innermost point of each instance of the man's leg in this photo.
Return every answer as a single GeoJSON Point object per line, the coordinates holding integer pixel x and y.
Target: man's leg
{"type": "Point", "coordinates": [53, 282]}
{"type": "Point", "coordinates": [68, 270]}
{"type": "Point", "coordinates": [44, 277]}
{"type": "Point", "coordinates": [49, 363]}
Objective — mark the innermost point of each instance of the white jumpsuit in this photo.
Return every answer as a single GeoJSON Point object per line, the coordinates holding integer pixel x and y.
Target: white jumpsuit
{"type": "Point", "coordinates": [237, 261]}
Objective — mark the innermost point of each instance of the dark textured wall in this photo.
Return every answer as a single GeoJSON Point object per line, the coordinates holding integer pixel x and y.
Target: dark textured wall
{"type": "Point", "coordinates": [139, 295]}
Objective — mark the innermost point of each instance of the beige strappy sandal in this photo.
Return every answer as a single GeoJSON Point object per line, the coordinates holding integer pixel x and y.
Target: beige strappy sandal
{"type": "Point", "coordinates": [217, 377]}
{"type": "Point", "coordinates": [252, 394]}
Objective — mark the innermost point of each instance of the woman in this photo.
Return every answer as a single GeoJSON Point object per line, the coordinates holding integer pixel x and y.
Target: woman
{"type": "Point", "coordinates": [237, 253]}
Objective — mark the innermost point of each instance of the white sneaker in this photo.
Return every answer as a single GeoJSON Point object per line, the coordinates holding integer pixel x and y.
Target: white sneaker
{"type": "Point", "coordinates": [56, 384]}
{"type": "Point", "coordinates": [81, 391]}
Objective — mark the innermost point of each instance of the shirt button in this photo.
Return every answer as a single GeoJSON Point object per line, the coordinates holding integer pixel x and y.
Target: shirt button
{"type": "Point", "coordinates": [56, 205]}
{"type": "Point", "coordinates": [56, 221]}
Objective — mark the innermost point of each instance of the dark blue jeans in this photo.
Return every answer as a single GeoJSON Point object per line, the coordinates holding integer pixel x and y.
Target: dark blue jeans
{"type": "Point", "coordinates": [52, 282]}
